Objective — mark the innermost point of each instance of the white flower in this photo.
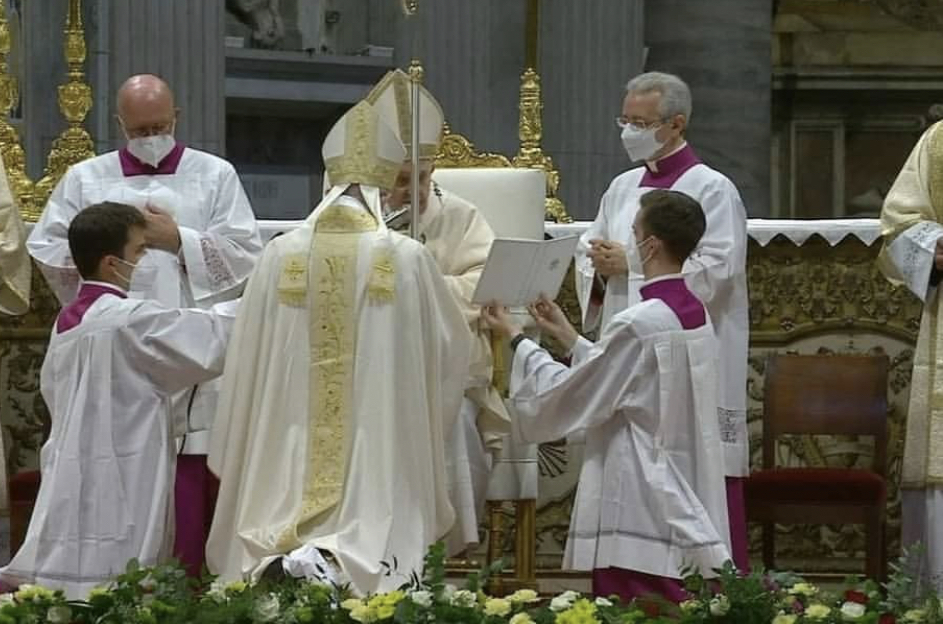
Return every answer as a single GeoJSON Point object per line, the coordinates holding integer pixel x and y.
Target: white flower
{"type": "Point", "coordinates": [59, 615]}
{"type": "Point", "coordinates": [421, 597]}
{"type": "Point", "coordinates": [464, 598]}
{"type": "Point", "coordinates": [267, 608]}
{"type": "Point", "coordinates": [719, 605]}
{"type": "Point", "coordinates": [448, 592]}
{"type": "Point", "coordinates": [853, 610]}
{"type": "Point", "coordinates": [217, 589]}
{"type": "Point", "coordinates": [6, 599]}
{"type": "Point", "coordinates": [603, 602]}
{"type": "Point", "coordinates": [497, 606]}
{"type": "Point", "coordinates": [564, 601]}
{"type": "Point", "coordinates": [784, 618]}
{"type": "Point", "coordinates": [521, 618]}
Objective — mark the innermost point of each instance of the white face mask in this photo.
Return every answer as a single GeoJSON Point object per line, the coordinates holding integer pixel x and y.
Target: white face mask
{"type": "Point", "coordinates": [142, 278]}
{"type": "Point", "coordinates": [152, 149]}
{"type": "Point", "coordinates": [636, 261]}
{"type": "Point", "coordinates": [640, 144]}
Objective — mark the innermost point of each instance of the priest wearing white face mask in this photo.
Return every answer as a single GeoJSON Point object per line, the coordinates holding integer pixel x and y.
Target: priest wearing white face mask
{"type": "Point", "coordinates": [202, 239]}
{"type": "Point", "coordinates": [655, 115]}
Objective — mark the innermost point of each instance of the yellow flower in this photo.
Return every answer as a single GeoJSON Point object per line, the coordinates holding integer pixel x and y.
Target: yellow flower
{"type": "Point", "coordinates": [33, 592]}
{"type": "Point", "coordinates": [521, 618]}
{"type": "Point", "coordinates": [497, 606]}
{"type": "Point", "coordinates": [803, 589]}
{"type": "Point", "coordinates": [363, 614]}
{"type": "Point", "coordinates": [236, 587]}
{"type": "Point", "coordinates": [383, 606]}
{"type": "Point", "coordinates": [351, 603]}
{"type": "Point", "coordinates": [915, 615]}
{"type": "Point", "coordinates": [817, 611]}
{"type": "Point", "coordinates": [524, 595]}
{"type": "Point", "coordinates": [97, 592]}
{"type": "Point", "coordinates": [783, 618]}
{"type": "Point", "coordinates": [582, 612]}
{"type": "Point", "coordinates": [393, 598]}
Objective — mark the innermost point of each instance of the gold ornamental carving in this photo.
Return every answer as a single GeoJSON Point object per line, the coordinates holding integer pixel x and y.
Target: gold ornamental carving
{"type": "Point", "coordinates": [14, 158]}
{"type": "Point", "coordinates": [530, 153]}
{"type": "Point", "coordinates": [75, 101]}
{"type": "Point", "coordinates": [824, 288]}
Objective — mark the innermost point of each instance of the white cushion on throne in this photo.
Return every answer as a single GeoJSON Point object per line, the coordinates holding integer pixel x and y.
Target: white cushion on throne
{"type": "Point", "coordinates": [512, 201]}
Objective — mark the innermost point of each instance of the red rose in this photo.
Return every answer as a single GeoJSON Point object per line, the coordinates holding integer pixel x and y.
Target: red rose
{"type": "Point", "coordinates": [856, 596]}
{"type": "Point", "coordinates": [887, 618]}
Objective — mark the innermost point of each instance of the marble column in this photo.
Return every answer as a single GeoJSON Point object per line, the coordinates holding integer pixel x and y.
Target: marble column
{"type": "Point", "coordinates": [722, 49]}
{"type": "Point", "coordinates": [588, 50]}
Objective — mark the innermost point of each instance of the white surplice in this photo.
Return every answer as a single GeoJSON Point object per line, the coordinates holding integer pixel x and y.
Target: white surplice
{"type": "Point", "coordinates": [108, 466]}
{"type": "Point", "coordinates": [459, 239]}
{"type": "Point", "coordinates": [715, 272]}
{"type": "Point", "coordinates": [219, 236]}
{"type": "Point", "coordinates": [651, 494]}
{"type": "Point", "coordinates": [15, 265]}
{"type": "Point", "coordinates": [912, 223]}
{"type": "Point", "coordinates": [383, 420]}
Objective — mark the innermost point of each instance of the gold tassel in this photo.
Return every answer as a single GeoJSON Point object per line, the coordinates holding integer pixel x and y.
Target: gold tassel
{"type": "Point", "coordinates": [382, 284]}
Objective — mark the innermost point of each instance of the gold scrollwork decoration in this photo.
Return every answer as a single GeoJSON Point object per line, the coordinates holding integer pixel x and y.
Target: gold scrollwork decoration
{"type": "Point", "coordinates": [14, 158]}
{"type": "Point", "coordinates": [530, 153]}
{"type": "Point", "coordinates": [825, 288]}
{"type": "Point", "coordinates": [75, 101]}
{"type": "Point", "coordinates": [455, 151]}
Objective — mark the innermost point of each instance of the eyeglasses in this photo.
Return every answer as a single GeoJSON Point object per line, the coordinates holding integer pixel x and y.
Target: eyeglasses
{"type": "Point", "coordinates": [146, 131]}
{"type": "Point", "coordinates": [638, 125]}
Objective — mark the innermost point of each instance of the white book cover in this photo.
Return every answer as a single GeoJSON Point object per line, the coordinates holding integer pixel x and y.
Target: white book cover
{"type": "Point", "coordinates": [519, 270]}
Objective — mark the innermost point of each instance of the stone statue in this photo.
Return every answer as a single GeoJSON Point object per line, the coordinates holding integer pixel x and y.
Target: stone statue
{"type": "Point", "coordinates": [263, 17]}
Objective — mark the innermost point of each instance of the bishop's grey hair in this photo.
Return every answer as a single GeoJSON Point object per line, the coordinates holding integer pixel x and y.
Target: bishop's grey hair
{"type": "Point", "coordinates": [675, 94]}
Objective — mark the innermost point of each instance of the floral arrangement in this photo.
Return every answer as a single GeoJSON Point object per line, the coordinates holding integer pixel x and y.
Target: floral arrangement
{"type": "Point", "coordinates": [166, 595]}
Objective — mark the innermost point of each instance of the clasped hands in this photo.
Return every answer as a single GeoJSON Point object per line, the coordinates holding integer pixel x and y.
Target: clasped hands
{"type": "Point", "coordinates": [608, 257]}
{"type": "Point", "coordinates": [547, 314]}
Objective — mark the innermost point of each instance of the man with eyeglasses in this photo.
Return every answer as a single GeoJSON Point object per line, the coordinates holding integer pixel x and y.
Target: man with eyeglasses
{"type": "Point", "coordinates": [656, 111]}
{"type": "Point", "coordinates": [202, 239]}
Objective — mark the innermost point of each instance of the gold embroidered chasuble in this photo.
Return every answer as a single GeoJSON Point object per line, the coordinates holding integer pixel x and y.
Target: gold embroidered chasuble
{"type": "Point", "coordinates": [911, 224]}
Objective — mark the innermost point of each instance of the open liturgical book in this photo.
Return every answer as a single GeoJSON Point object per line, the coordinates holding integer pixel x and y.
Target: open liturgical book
{"type": "Point", "coordinates": [519, 270]}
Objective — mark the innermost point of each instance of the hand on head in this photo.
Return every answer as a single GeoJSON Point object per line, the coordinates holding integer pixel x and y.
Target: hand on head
{"type": "Point", "coordinates": [161, 230]}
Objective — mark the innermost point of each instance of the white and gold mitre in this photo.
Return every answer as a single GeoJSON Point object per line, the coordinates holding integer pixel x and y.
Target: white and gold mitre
{"type": "Point", "coordinates": [362, 149]}
{"type": "Point", "coordinates": [392, 97]}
